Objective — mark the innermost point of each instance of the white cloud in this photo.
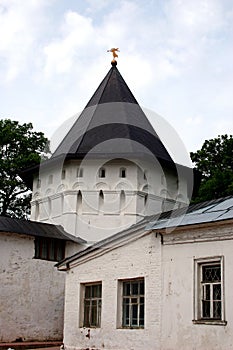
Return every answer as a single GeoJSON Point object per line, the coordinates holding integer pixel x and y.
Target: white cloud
{"type": "Point", "coordinates": [174, 54]}
{"type": "Point", "coordinates": [18, 31]}
{"type": "Point", "coordinates": [76, 33]}
{"type": "Point", "coordinates": [194, 121]}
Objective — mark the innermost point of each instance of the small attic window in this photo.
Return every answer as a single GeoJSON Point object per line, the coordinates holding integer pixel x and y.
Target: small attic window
{"type": "Point", "coordinates": [50, 249]}
{"type": "Point", "coordinates": [102, 172]}
{"type": "Point", "coordinates": [50, 179]}
{"type": "Point", "coordinates": [63, 174]}
{"type": "Point", "coordinates": [122, 172]}
{"type": "Point", "coordinates": [79, 172]}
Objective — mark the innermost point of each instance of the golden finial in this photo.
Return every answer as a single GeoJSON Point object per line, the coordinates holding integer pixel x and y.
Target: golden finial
{"type": "Point", "coordinates": [114, 50]}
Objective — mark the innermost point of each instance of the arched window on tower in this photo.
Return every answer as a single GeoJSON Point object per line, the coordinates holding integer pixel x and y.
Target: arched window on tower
{"type": "Point", "coordinates": [79, 202]}
{"type": "Point", "coordinates": [145, 200]}
{"type": "Point", "coordinates": [122, 201]}
{"type": "Point", "coordinates": [102, 172]}
{"type": "Point", "coordinates": [123, 172]}
{"type": "Point", "coordinates": [101, 201]}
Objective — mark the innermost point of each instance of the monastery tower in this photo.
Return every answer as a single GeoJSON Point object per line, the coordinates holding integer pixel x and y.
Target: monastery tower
{"type": "Point", "coordinates": [110, 170]}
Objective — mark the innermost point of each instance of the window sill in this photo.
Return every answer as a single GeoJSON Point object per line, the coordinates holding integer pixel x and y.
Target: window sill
{"type": "Point", "coordinates": [130, 328]}
{"type": "Point", "coordinates": [211, 322]}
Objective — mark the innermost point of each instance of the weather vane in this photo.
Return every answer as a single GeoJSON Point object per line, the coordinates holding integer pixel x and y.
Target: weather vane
{"type": "Point", "coordinates": [114, 50]}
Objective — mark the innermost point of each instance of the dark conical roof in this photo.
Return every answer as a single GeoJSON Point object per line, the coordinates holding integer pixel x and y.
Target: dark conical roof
{"type": "Point", "coordinates": [112, 124]}
{"type": "Point", "coordinates": [113, 88]}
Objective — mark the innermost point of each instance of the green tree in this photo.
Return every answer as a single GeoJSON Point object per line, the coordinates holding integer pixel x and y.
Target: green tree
{"type": "Point", "coordinates": [215, 163]}
{"type": "Point", "coordinates": [20, 148]}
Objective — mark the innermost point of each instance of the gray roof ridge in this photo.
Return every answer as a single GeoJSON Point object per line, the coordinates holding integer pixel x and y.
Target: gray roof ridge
{"type": "Point", "coordinates": [104, 242]}
{"type": "Point", "coordinates": [27, 227]}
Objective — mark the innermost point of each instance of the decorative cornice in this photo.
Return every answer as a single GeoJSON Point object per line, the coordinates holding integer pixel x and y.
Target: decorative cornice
{"type": "Point", "coordinates": [205, 232]}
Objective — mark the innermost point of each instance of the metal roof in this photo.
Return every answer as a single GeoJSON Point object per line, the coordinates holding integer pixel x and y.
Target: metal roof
{"type": "Point", "coordinates": [119, 236]}
{"type": "Point", "coordinates": [112, 123]}
{"type": "Point", "coordinates": [34, 228]}
{"type": "Point", "coordinates": [210, 211]}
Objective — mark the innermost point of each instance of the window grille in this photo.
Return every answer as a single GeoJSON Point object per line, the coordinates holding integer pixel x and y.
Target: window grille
{"type": "Point", "coordinates": [51, 249]}
{"type": "Point", "coordinates": [209, 291]}
{"type": "Point", "coordinates": [92, 305]}
{"type": "Point", "coordinates": [133, 304]}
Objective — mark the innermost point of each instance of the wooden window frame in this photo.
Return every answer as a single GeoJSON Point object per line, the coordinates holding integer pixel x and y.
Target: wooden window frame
{"type": "Point", "coordinates": [50, 249]}
{"type": "Point", "coordinates": [131, 303]}
{"type": "Point", "coordinates": [91, 305]}
{"type": "Point", "coordinates": [199, 291]}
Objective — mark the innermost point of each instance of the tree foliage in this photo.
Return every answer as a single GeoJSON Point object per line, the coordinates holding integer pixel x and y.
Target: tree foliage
{"type": "Point", "coordinates": [215, 163]}
{"type": "Point", "coordinates": [20, 148]}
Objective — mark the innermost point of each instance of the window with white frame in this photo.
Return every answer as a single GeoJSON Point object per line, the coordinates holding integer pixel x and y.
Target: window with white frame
{"type": "Point", "coordinates": [133, 303]}
{"type": "Point", "coordinates": [209, 290]}
{"type": "Point", "coordinates": [92, 301]}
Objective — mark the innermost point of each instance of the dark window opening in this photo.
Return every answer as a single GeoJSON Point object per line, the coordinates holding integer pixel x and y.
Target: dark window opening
{"type": "Point", "coordinates": [63, 174]}
{"type": "Point", "coordinates": [123, 172]}
{"type": "Point", "coordinates": [51, 249]}
{"type": "Point", "coordinates": [92, 305]}
{"type": "Point", "coordinates": [133, 304]}
{"type": "Point", "coordinates": [102, 172]}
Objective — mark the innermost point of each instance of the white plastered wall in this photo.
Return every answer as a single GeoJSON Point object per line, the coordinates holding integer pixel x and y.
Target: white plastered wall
{"type": "Point", "coordinates": [144, 193]}
{"type": "Point", "coordinates": [31, 293]}
{"type": "Point", "coordinates": [178, 330]}
{"type": "Point", "coordinates": [139, 259]}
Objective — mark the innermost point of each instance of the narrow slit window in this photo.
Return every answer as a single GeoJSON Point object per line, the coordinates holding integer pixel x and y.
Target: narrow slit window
{"type": "Point", "coordinates": [122, 172]}
{"type": "Point", "coordinates": [79, 202]}
{"type": "Point", "coordinates": [102, 172]}
{"type": "Point", "coordinates": [63, 174]}
{"type": "Point", "coordinates": [101, 200]}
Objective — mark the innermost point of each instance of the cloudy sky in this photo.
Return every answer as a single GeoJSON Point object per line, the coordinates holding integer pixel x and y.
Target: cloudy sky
{"type": "Point", "coordinates": [176, 56]}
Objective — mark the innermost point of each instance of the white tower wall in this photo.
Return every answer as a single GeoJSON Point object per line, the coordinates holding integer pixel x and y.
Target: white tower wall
{"type": "Point", "coordinates": [94, 199]}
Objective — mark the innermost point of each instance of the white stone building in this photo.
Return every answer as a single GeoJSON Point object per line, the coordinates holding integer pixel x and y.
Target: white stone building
{"type": "Point", "coordinates": [165, 283]}
{"type": "Point", "coordinates": [32, 290]}
{"type": "Point", "coordinates": [109, 171]}
{"type": "Point", "coordinates": [108, 174]}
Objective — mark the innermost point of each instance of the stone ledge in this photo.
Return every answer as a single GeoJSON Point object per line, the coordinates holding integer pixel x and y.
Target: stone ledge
{"type": "Point", "coordinates": [31, 345]}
